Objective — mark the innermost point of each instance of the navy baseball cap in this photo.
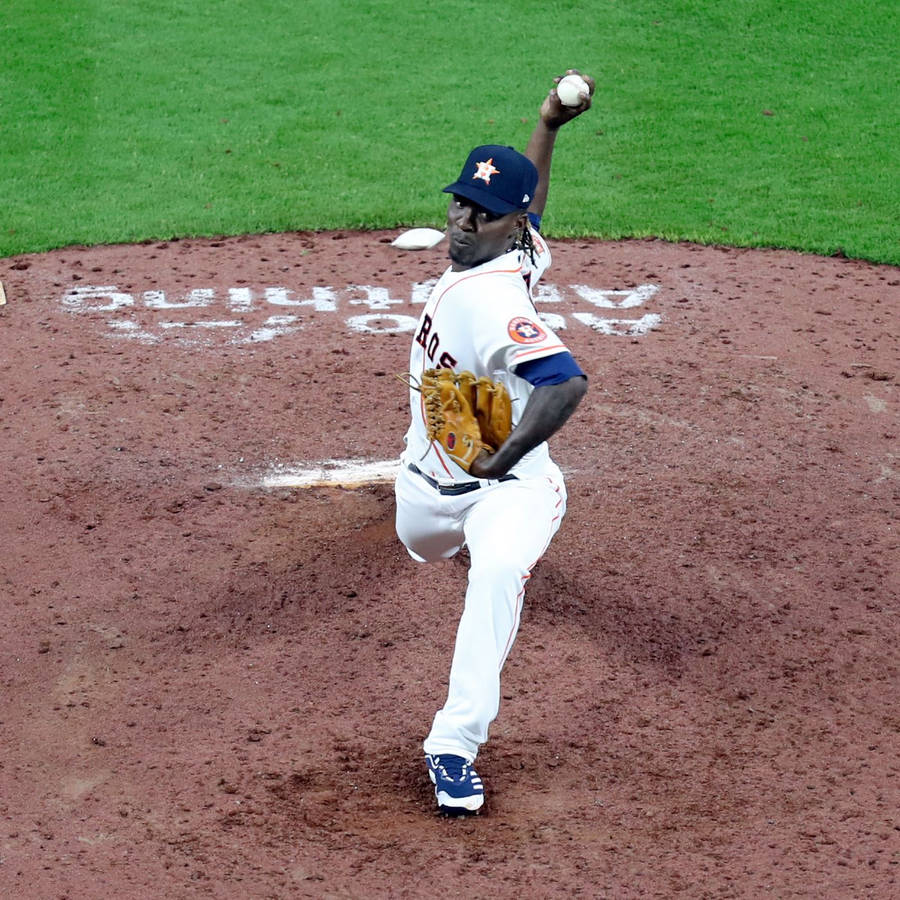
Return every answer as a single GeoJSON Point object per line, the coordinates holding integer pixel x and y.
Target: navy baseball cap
{"type": "Point", "coordinates": [498, 178]}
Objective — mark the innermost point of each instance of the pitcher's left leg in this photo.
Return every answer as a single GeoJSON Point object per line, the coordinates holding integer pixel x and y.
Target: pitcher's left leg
{"type": "Point", "coordinates": [507, 531]}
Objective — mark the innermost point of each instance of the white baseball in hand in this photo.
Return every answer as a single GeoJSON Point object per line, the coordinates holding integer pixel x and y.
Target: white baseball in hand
{"type": "Point", "coordinates": [570, 89]}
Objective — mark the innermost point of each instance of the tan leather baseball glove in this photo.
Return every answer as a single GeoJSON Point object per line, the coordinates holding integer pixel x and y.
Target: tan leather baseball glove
{"type": "Point", "coordinates": [464, 414]}
{"type": "Point", "coordinates": [492, 406]}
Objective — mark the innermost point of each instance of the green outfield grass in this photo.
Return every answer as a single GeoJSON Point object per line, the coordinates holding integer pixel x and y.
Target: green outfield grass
{"type": "Point", "coordinates": [749, 122]}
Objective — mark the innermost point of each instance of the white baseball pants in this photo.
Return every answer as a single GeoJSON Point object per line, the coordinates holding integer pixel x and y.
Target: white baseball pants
{"type": "Point", "coordinates": [507, 526]}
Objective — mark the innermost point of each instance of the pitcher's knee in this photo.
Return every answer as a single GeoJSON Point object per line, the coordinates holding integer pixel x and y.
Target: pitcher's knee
{"type": "Point", "coordinates": [499, 572]}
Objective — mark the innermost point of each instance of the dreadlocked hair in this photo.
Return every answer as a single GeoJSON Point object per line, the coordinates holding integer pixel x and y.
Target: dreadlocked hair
{"type": "Point", "coordinates": [525, 242]}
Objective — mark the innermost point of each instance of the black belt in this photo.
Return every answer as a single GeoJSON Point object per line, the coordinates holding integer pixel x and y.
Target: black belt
{"type": "Point", "coordinates": [453, 489]}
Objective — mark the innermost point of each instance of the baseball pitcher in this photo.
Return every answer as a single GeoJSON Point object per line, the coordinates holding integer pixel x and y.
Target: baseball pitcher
{"type": "Point", "coordinates": [489, 383]}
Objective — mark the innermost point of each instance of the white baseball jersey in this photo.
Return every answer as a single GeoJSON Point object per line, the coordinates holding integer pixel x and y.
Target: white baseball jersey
{"type": "Point", "coordinates": [482, 320]}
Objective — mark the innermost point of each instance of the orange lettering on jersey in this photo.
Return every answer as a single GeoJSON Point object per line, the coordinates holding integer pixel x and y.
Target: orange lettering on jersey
{"type": "Point", "coordinates": [525, 331]}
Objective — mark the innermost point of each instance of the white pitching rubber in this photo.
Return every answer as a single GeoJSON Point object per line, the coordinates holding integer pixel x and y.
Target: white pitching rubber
{"type": "Point", "coordinates": [418, 239]}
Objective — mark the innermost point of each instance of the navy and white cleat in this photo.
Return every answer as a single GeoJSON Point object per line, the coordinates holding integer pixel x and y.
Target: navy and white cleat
{"type": "Point", "coordinates": [457, 786]}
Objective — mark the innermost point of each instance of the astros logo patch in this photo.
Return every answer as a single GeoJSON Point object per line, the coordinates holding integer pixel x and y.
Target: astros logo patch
{"type": "Point", "coordinates": [484, 170]}
{"type": "Point", "coordinates": [524, 331]}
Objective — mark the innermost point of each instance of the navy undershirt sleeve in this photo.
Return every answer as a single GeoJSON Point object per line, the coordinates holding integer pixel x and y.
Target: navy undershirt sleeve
{"type": "Point", "coordinates": [535, 220]}
{"type": "Point", "coordinates": [549, 369]}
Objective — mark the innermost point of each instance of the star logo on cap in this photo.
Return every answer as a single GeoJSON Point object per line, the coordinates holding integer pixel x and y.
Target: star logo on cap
{"type": "Point", "coordinates": [484, 170]}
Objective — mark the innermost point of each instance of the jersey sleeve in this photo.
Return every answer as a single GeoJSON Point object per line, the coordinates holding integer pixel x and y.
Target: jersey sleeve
{"type": "Point", "coordinates": [554, 369]}
{"type": "Point", "coordinates": [541, 262]}
{"type": "Point", "coordinates": [511, 332]}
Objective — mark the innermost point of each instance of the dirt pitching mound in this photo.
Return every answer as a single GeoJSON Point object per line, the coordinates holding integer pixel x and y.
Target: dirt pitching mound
{"type": "Point", "coordinates": [218, 663]}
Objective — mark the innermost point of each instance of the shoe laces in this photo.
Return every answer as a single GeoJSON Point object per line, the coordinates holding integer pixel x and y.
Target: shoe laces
{"type": "Point", "coordinates": [454, 768]}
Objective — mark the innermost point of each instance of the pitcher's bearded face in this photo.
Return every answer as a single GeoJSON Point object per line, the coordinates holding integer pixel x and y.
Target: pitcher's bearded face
{"type": "Point", "coordinates": [477, 235]}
